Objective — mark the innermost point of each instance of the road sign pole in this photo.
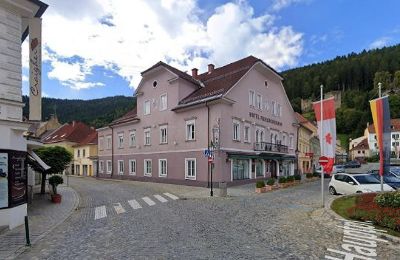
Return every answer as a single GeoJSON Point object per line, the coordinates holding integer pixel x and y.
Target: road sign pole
{"type": "Point", "coordinates": [381, 174]}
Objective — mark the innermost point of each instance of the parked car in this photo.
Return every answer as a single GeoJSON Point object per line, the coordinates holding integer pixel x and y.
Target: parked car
{"type": "Point", "coordinates": [352, 164]}
{"type": "Point", "coordinates": [390, 179]}
{"type": "Point", "coordinates": [339, 168]}
{"type": "Point", "coordinates": [395, 170]}
{"type": "Point", "coordinates": [343, 183]}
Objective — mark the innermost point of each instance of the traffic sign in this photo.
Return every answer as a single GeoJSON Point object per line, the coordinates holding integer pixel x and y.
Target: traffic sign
{"type": "Point", "coordinates": [323, 160]}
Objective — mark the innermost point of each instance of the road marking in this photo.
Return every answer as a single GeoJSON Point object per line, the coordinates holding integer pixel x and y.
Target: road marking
{"type": "Point", "coordinates": [172, 196]}
{"type": "Point", "coordinates": [134, 204]}
{"type": "Point", "coordinates": [100, 212]}
{"type": "Point", "coordinates": [160, 198]}
{"type": "Point", "coordinates": [118, 208]}
{"type": "Point", "coordinates": [148, 201]}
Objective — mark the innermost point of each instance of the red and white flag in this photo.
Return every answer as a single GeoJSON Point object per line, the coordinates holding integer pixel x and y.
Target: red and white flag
{"type": "Point", "coordinates": [327, 136]}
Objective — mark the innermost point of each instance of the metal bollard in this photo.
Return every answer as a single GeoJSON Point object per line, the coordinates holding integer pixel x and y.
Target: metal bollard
{"type": "Point", "coordinates": [28, 241]}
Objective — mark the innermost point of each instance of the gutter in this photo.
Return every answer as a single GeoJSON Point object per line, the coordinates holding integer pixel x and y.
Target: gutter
{"type": "Point", "coordinates": [208, 143]}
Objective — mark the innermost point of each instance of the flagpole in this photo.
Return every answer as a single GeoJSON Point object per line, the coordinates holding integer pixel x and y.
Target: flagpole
{"type": "Point", "coordinates": [322, 152]}
{"type": "Point", "coordinates": [380, 95]}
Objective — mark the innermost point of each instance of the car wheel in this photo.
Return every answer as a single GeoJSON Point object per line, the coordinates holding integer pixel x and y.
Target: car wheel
{"type": "Point", "coordinates": [332, 191]}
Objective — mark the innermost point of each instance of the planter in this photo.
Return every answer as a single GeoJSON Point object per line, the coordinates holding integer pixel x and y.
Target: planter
{"type": "Point", "coordinates": [296, 182]}
{"type": "Point", "coordinates": [284, 185]}
{"type": "Point", "coordinates": [56, 198]}
{"type": "Point", "coordinates": [268, 188]}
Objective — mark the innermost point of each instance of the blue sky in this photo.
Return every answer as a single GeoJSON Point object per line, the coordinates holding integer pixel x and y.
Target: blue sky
{"type": "Point", "coordinates": [94, 49]}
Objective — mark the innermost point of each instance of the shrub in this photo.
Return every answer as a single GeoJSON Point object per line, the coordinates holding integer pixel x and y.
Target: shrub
{"type": "Point", "coordinates": [309, 175]}
{"type": "Point", "coordinates": [54, 181]}
{"type": "Point", "coordinates": [260, 184]}
{"type": "Point", "coordinates": [388, 199]}
{"type": "Point", "coordinates": [271, 182]}
{"type": "Point", "coordinates": [290, 179]}
{"type": "Point", "coordinates": [315, 174]}
{"type": "Point", "coordinates": [282, 180]}
{"type": "Point", "coordinates": [297, 177]}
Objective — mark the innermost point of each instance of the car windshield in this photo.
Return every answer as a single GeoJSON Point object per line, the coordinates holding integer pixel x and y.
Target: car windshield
{"type": "Point", "coordinates": [366, 179]}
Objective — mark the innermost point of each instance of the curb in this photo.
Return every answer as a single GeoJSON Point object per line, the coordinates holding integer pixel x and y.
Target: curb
{"type": "Point", "coordinates": [37, 239]}
{"type": "Point", "coordinates": [336, 216]}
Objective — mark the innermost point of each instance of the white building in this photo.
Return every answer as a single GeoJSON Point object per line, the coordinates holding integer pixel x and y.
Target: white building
{"type": "Point", "coordinates": [395, 137]}
{"type": "Point", "coordinates": [15, 16]}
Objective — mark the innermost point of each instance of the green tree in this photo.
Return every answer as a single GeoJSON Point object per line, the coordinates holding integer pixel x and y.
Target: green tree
{"type": "Point", "coordinates": [396, 79]}
{"type": "Point", "coordinates": [383, 77]}
{"type": "Point", "coordinates": [57, 157]}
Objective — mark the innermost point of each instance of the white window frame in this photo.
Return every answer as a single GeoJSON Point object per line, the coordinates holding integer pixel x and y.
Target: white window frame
{"type": "Point", "coordinates": [147, 107]}
{"type": "Point", "coordinates": [145, 173]}
{"type": "Point", "coordinates": [147, 130]}
{"type": "Point", "coordinates": [131, 170]}
{"type": "Point", "coordinates": [187, 177]}
{"type": "Point", "coordinates": [84, 153]}
{"type": "Point", "coordinates": [259, 101]}
{"type": "Point", "coordinates": [101, 166]}
{"type": "Point", "coordinates": [160, 174]}
{"type": "Point", "coordinates": [273, 107]}
{"type": "Point", "coordinates": [109, 166]}
{"type": "Point", "coordinates": [121, 140]}
{"type": "Point", "coordinates": [78, 153]}
{"type": "Point", "coordinates": [132, 141]}
{"type": "Point", "coordinates": [291, 138]}
{"type": "Point", "coordinates": [236, 130]}
{"type": "Point", "coordinates": [121, 169]}
{"type": "Point", "coordinates": [252, 97]}
{"type": "Point", "coordinates": [246, 129]}
{"type": "Point", "coordinates": [164, 127]}
{"type": "Point", "coordinates": [101, 143]}
{"type": "Point", "coordinates": [109, 142]}
{"type": "Point", "coordinates": [162, 105]}
{"type": "Point", "coordinates": [193, 124]}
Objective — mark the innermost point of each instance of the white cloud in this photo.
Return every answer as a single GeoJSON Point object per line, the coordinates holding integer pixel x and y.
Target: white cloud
{"type": "Point", "coordinates": [379, 43]}
{"type": "Point", "coordinates": [127, 37]}
{"type": "Point", "coordinates": [280, 4]}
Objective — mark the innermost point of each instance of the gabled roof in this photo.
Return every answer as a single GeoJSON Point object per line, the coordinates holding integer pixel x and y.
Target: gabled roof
{"type": "Point", "coordinates": [73, 132]}
{"type": "Point", "coordinates": [305, 122]}
{"type": "Point", "coordinates": [394, 126]}
{"type": "Point", "coordinates": [129, 116]}
{"type": "Point", "coordinates": [90, 139]}
{"type": "Point", "coordinates": [363, 145]}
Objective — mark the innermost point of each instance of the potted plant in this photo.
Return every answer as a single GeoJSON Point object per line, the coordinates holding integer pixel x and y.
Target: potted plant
{"type": "Point", "coordinates": [309, 176]}
{"type": "Point", "coordinates": [270, 183]}
{"type": "Point", "coordinates": [260, 186]}
{"type": "Point", "coordinates": [54, 181]}
{"type": "Point", "coordinates": [297, 178]}
{"type": "Point", "coordinates": [282, 182]}
{"type": "Point", "coordinates": [290, 180]}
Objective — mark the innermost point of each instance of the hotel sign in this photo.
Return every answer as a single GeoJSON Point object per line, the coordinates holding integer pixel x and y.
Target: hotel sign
{"type": "Point", "coordinates": [265, 119]}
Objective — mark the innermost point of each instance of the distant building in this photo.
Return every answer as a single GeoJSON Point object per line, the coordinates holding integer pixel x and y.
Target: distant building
{"type": "Point", "coordinates": [360, 150]}
{"type": "Point", "coordinates": [67, 136]}
{"type": "Point", "coordinates": [240, 108]}
{"type": "Point", "coordinates": [40, 130]}
{"type": "Point", "coordinates": [395, 138]}
{"type": "Point", "coordinates": [306, 104]}
{"type": "Point", "coordinates": [85, 155]}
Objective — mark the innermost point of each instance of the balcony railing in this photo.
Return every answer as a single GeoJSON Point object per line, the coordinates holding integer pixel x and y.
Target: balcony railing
{"type": "Point", "coordinates": [270, 147]}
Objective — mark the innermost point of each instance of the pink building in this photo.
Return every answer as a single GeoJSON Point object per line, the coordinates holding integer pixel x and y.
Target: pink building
{"type": "Point", "coordinates": [241, 108]}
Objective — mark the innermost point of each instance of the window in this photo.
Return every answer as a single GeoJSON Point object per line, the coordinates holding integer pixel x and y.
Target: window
{"type": "Point", "coordinates": [132, 138]}
{"type": "Point", "coordinates": [83, 153]}
{"type": "Point", "coordinates": [132, 167]}
{"type": "Point", "coordinates": [101, 143]}
{"type": "Point", "coordinates": [147, 137]}
{"type": "Point", "coordinates": [190, 168]}
{"type": "Point", "coordinates": [251, 98]}
{"type": "Point", "coordinates": [284, 139]}
{"type": "Point", "coordinates": [109, 142]}
{"type": "Point", "coordinates": [279, 110]}
{"type": "Point", "coordinates": [291, 141]}
{"type": "Point", "coordinates": [273, 107]}
{"type": "Point", "coordinates": [247, 133]}
{"type": "Point", "coordinates": [258, 101]}
{"type": "Point", "coordinates": [163, 134]}
{"type": "Point", "coordinates": [147, 107]}
{"type": "Point", "coordinates": [101, 166]}
{"type": "Point", "coordinates": [120, 140]}
{"type": "Point", "coordinates": [77, 169]}
{"type": "Point", "coordinates": [78, 153]}
{"type": "Point", "coordinates": [109, 167]}
{"type": "Point", "coordinates": [120, 167]}
{"type": "Point", "coordinates": [147, 167]}
{"type": "Point", "coordinates": [162, 167]}
{"type": "Point", "coordinates": [236, 131]}
{"type": "Point", "coordinates": [163, 102]}
{"type": "Point", "coordinates": [190, 130]}
{"type": "Point", "coordinates": [393, 144]}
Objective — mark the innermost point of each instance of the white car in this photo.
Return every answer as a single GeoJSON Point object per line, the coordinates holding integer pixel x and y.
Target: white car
{"type": "Point", "coordinates": [343, 183]}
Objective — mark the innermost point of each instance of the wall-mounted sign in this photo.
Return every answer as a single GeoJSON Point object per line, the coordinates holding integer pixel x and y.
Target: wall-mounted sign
{"type": "Point", "coordinates": [35, 69]}
{"type": "Point", "coordinates": [3, 180]}
{"type": "Point", "coordinates": [17, 178]}
{"type": "Point", "coordinates": [265, 119]}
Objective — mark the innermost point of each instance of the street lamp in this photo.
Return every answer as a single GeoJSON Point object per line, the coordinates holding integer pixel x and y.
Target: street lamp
{"type": "Point", "coordinates": [297, 161]}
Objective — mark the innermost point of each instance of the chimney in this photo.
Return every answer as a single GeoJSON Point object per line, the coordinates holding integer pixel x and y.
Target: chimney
{"type": "Point", "coordinates": [210, 68]}
{"type": "Point", "coordinates": [194, 73]}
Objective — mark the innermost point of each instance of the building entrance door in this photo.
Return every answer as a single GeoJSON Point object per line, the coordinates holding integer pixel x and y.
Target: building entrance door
{"type": "Point", "coordinates": [273, 169]}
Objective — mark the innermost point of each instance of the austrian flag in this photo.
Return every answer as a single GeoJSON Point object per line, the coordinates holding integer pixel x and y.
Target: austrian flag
{"type": "Point", "coordinates": [327, 130]}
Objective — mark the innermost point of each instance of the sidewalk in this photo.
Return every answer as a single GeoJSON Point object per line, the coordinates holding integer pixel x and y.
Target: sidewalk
{"type": "Point", "coordinates": [44, 216]}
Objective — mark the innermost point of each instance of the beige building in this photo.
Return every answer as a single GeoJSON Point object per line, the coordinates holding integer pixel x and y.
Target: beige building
{"type": "Point", "coordinates": [308, 145]}
{"type": "Point", "coordinates": [84, 153]}
{"type": "Point", "coordinates": [360, 150]}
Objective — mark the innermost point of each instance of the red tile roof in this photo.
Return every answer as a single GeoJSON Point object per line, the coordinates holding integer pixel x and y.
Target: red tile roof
{"type": "Point", "coordinates": [90, 139]}
{"type": "Point", "coordinates": [363, 145]}
{"type": "Point", "coordinates": [394, 126]}
{"type": "Point", "coordinates": [73, 132]}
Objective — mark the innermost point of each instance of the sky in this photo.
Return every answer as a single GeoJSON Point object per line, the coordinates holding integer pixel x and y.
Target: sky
{"type": "Point", "coordinates": [97, 48]}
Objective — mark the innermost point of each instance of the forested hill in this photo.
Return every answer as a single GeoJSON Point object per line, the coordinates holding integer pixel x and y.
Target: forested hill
{"type": "Point", "coordinates": [357, 76]}
{"type": "Point", "coordinates": [95, 112]}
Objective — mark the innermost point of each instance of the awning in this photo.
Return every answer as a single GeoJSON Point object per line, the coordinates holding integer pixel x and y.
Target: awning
{"type": "Point", "coordinates": [37, 163]}
{"type": "Point", "coordinates": [263, 156]}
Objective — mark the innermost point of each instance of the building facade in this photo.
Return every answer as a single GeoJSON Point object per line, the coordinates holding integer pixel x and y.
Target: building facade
{"type": "Point", "coordinates": [240, 109]}
{"type": "Point", "coordinates": [85, 154]}
{"type": "Point", "coordinates": [395, 138]}
{"type": "Point", "coordinates": [360, 151]}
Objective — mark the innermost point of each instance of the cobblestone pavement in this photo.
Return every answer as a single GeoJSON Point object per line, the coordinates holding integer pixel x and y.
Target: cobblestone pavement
{"type": "Point", "coordinates": [284, 224]}
{"type": "Point", "coordinates": [43, 217]}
